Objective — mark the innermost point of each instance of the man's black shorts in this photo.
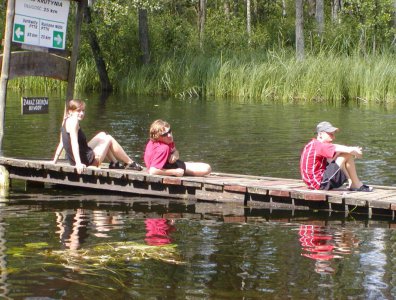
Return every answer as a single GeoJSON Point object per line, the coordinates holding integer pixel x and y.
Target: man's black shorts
{"type": "Point", "coordinates": [176, 165]}
{"type": "Point", "coordinates": [333, 177]}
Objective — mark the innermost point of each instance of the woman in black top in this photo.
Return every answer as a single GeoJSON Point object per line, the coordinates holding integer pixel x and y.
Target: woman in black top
{"type": "Point", "coordinates": [81, 153]}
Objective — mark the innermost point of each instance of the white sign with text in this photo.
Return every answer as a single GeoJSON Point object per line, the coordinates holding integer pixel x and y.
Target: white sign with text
{"type": "Point", "coordinates": [41, 23]}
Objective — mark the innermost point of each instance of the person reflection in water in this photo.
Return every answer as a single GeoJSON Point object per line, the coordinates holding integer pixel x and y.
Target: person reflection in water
{"type": "Point", "coordinates": [318, 244]}
{"type": "Point", "coordinates": [158, 231]}
{"type": "Point", "coordinates": [72, 228]}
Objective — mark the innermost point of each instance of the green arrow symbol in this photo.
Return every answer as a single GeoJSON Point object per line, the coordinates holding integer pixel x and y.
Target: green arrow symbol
{"type": "Point", "coordinates": [57, 39]}
{"type": "Point", "coordinates": [19, 33]}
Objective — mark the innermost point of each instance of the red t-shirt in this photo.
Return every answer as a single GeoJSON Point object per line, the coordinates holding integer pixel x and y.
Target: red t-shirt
{"type": "Point", "coordinates": [314, 161]}
{"type": "Point", "coordinates": [157, 154]}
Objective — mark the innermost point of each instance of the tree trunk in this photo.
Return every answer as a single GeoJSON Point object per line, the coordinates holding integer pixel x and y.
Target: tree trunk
{"type": "Point", "coordinates": [248, 20]}
{"type": "Point", "coordinates": [255, 11]}
{"type": "Point", "coordinates": [144, 36]}
{"type": "Point", "coordinates": [236, 7]}
{"type": "Point", "coordinates": [97, 54]}
{"type": "Point", "coordinates": [394, 21]}
{"type": "Point", "coordinates": [201, 24]}
{"type": "Point", "coordinates": [319, 15]}
{"type": "Point", "coordinates": [227, 9]}
{"type": "Point", "coordinates": [311, 6]}
{"type": "Point", "coordinates": [299, 30]}
{"type": "Point", "coordinates": [284, 13]}
{"type": "Point", "coordinates": [335, 8]}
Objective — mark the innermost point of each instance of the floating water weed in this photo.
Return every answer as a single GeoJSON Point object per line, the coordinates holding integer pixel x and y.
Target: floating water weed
{"type": "Point", "coordinates": [108, 254]}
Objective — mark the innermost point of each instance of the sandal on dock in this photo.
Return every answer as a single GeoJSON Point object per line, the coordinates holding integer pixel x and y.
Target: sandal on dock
{"type": "Point", "coordinates": [133, 166]}
{"type": "Point", "coordinates": [115, 165]}
{"type": "Point", "coordinates": [363, 188]}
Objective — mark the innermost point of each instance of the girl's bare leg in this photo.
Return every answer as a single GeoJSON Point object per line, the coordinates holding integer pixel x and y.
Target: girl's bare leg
{"type": "Point", "coordinates": [197, 169]}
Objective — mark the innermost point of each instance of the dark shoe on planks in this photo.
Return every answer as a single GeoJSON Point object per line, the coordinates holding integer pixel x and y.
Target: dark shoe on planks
{"type": "Point", "coordinates": [363, 188]}
{"type": "Point", "coordinates": [115, 165]}
{"type": "Point", "coordinates": [133, 166]}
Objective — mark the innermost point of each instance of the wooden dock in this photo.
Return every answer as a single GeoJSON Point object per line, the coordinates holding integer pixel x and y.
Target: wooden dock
{"type": "Point", "coordinates": [244, 190]}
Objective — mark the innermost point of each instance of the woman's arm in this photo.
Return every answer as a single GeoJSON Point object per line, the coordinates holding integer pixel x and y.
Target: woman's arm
{"type": "Point", "coordinates": [72, 127]}
{"type": "Point", "coordinates": [58, 151]}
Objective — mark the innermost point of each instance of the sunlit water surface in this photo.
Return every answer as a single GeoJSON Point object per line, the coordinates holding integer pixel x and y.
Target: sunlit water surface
{"type": "Point", "coordinates": [209, 251]}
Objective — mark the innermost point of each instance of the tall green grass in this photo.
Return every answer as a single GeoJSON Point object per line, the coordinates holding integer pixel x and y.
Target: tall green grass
{"type": "Point", "coordinates": [322, 78]}
{"type": "Point", "coordinates": [276, 76]}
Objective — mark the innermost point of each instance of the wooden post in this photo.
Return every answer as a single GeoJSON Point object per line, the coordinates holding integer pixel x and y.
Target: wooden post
{"type": "Point", "coordinates": [76, 44]}
{"type": "Point", "coordinates": [6, 66]}
{"type": "Point", "coordinates": [4, 179]}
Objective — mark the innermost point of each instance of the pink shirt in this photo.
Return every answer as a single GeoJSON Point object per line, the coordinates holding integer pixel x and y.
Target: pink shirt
{"type": "Point", "coordinates": [314, 161]}
{"type": "Point", "coordinates": [157, 154]}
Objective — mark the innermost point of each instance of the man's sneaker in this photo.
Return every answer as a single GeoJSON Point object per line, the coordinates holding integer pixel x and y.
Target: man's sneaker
{"type": "Point", "coordinates": [133, 166]}
{"type": "Point", "coordinates": [363, 188]}
{"type": "Point", "coordinates": [115, 165]}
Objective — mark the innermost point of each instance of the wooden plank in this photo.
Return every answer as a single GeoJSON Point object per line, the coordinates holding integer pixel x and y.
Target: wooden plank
{"type": "Point", "coordinates": [220, 196]}
{"type": "Point", "coordinates": [308, 194]}
{"type": "Point", "coordinates": [172, 180]}
{"type": "Point", "coordinates": [234, 209]}
{"type": "Point", "coordinates": [154, 178]}
{"type": "Point", "coordinates": [336, 197]}
{"type": "Point", "coordinates": [355, 202]}
{"type": "Point", "coordinates": [191, 183]}
{"type": "Point", "coordinates": [235, 188]}
{"type": "Point", "coordinates": [213, 187]}
{"type": "Point", "coordinates": [28, 63]}
{"type": "Point", "coordinates": [279, 193]}
{"type": "Point", "coordinates": [257, 190]}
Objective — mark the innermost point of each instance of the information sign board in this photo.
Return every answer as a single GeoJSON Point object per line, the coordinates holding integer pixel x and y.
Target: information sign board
{"type": "Point", "coordinates": [34, 105]}
{"type": "Point", "coordinates": [41, 23]}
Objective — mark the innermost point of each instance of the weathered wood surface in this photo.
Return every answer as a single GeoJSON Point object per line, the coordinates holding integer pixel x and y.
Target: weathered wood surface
{"type": "Point", "coordinates": [245, 190]}
{"type": "Point", "coordinates": [27, 63]}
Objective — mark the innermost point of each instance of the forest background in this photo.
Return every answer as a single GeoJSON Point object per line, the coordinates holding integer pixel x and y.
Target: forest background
{"type": "Point", "coordinates": [284, 50]}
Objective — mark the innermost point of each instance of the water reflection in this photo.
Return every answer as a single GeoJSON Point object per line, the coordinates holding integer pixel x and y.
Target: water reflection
{"type": "Point", "coordinates": [158, 231]}
{"type": "Point", "coordinates": [224, 251]}
{"type": "Point", "coordinates": [72, 227]}
{"type": "Point", "coordinates": [324, 244]}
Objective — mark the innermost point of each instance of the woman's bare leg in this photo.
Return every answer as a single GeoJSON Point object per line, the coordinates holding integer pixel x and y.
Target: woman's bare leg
{"type": "Point", "coordinates": [105, 145]}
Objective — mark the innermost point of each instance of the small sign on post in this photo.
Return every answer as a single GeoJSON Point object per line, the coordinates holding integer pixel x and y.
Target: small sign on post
{"type": "Point", "coordinates": [34, 105]}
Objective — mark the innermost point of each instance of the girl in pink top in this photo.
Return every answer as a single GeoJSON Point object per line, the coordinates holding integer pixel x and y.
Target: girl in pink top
{"type": "Point", "coordinates": [162, 158]}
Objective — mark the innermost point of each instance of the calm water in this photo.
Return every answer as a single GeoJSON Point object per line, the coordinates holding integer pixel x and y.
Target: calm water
{"type": "Point", "coordinates": [49, 239]}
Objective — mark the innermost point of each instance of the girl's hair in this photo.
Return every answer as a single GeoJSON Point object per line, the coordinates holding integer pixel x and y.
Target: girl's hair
{"type": "Point", "coordinates": [75, 104]}
{"type": "Point", "coordinates": [157, 128]}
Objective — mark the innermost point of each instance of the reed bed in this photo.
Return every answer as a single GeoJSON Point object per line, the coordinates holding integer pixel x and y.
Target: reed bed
{"type": "Point", "coordinates": [323, 78]}
{"type": "Point", "coordinates": [275, 76]}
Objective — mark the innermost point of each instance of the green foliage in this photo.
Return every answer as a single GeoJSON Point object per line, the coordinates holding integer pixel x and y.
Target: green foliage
{"type": "Point", "coordinates": [230, 63]}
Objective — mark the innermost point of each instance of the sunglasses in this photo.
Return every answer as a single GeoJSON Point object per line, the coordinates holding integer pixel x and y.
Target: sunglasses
{"type": "Point", "coordinates": [166, 133]}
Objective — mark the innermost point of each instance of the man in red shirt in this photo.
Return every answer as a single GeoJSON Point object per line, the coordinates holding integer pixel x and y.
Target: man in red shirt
{"type": "Point", "coordinates": [162, 158]}
{"type": "Point", "coordinates": [325, 166]}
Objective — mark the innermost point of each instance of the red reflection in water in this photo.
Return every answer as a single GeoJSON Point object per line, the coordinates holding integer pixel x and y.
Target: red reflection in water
{"type": "Point", "coordinates": [323, 246]}
{"type": "Point", "coordinates": [158, 231]}
{"type": "Point", "coordinates": [315, 241]}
